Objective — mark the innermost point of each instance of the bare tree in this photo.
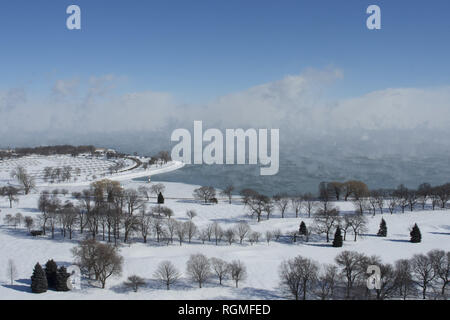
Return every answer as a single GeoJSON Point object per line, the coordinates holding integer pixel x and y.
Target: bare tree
{"type": "Point", "coordinates": [296, 204]}
{"type": "Point", "coordinates": [191, 230]}
{"type": "Point", "coordinates": [424, 192]}
{"type": "Point", "coordinates": [204, 193]}
{"type": "Point", "coordinates": [158, 227]}
{"type": "Point", "coordinates": [238, 271]}
{"type": "Point", "coordinates": [171, 227]}
{"type": "Point", "coordinates": [134, 282]}
{"type": "Point", "coordinates": [277, 234]}
{"type": "Point", "coordinates": [443, 194]}
{"type": "Point", "coordinates": [361, 205]}
{"type": "Point", "coordinates": [402, 194]}
{"type": "Point", "coordinates": [132, 201]}
{"type": "Point", "coordinates": [228, 192]}
{"type": "Point", "coordinates": [11, 193]}
{"type": "Point", "coordinates": [145, 225]}
{"type": "Point", "coordinates": [102, 259]}
{"type": "Point", "coordinates": [403, 278]}
{"type": "Point", "coordinates": [69, 215]}
{"type": "Point", "coordinates": [229, 236]}
{"type": "Point", "coordinates": [423, 272]}
{"type": "Point", "coordinates": [203, 235]}
{"type": "Point", "coordinates": [336, 188]}
{"type": "Point", "coordinates": [309, 203]}
{"type": "Point", "coordinates": [247, 194]}
{"type": "Point", "coordinates": [217, 232]}
{"type": "Point", "coordinates": [351, 264]}
{"type": "Point", "coordinates": [373, 201]}
{"type": "Point", "coordinates": [281, 202]}
{"type": "Point", "coordinates": [191, 214]}
{"type": "Point", "coordinates": [257, 205]}
{"type": "Point", "coordinates": [441, 264]}
{"type": "Point", "coordinates": [254, 236]}
{"type": "Point", "coordinates": [346, 224]}
{"type": "Point", "coordinates": [27, 181]}
{"type": "Point", "coordinates": [162, 211]}
{"type": "Point", "coordinates": [392, 203]}
{"type": "Point", "coordinates": [180, 231]}
{"type": "Point", "coordinates": [8, 219]}
{"type": "Point", "coordinates": [388, 285]}
{"type": "Point", "coordinates": [221, 268]}
{"type": "Point", "coordinates": [130, 225]}
{"type": "Point", "coordinates": [325, 219]}
{"type": "Point", "coordinates": [293, 235]}
{"type": "Point", "coordinates": [144, 192]}
{"type": "Point", "coordinates": [355, 188]}
{"type": "Point", "coordinates": [18, 219]}
{"type": "Point", "coordinates": [358, 224]}
{"type": "Point", "coordinates": [157, 188]}
{"type": "Point", "coordinates": [242, 229]}
{"type": "Point", "coordinates": [327, 281]}
{"type": "Point", "coordinates": [298, 275]}
{"type": "Point", "coordinates": [199, 268]}
{"type": "Point", "coordinates": [66, 173]}
{"type": "Point", "coordinates": [11, 271]}
{"type": "Point", "coordinates": [167, 273]}
{"type": "Point", "coordinates": [29, 223]}
{"type": "Point", "coordinates": [269, 236]}
{"type": "Point", "coordinates": [413, 197]}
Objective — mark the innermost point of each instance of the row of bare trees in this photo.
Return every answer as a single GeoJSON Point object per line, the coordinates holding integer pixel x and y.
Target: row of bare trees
{"type": "Point", "coordinates": [64, 174]}
{"type": "Point", "coordinates": [424, 275]}
{"type": "Point", "coordinates": [160, 158]}
{"type": "Point", "coordinates": [372, 200]}
{"type": "Point", "coordinates": [365, 201]}
{"type": "Point", "coordinates": [199, 269]}
{"type": "Point", "coordinates": [101, 261]}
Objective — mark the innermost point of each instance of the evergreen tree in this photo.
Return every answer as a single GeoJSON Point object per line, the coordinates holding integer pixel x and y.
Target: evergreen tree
{"type": "Point", "coordinates": [38, 280]}
{"type": "Point", "coordinates": [50, 271]}
{"type": "Point", "coordinates": [382, 232]}
{"type": "Point", "coordinates": [303, 231]}
{"type": "Point", "coordinates": [61, 279]}
{"type": "Point", "coordinates": [160, 198]}
{"type": "Point", "coordinates": [416, 236]}
{"type": "Point", "coordinates": [337, 242]}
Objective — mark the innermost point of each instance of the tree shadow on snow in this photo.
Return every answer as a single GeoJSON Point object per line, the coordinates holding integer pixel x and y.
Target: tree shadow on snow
{"type": "Point", "coordinates": [24, 287]}
{"type": "Point", "coordinates": [370, 235]}
{"type": "Point", "coordinates": [23, 233]}
{"type": "Point", "coordinates": [260, 294]}
{"type": "Point", "coordinates": [154, 284]}
{"type": "Point", "coordinates": [441, 233]}
{"type": "Point", "coordinates": [397, 240]}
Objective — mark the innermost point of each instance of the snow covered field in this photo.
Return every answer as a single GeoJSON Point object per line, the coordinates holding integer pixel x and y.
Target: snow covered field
{"type": "Point", "coordinates": [262, 259]}
{"type": "Point", "coordinates": [84, 169]}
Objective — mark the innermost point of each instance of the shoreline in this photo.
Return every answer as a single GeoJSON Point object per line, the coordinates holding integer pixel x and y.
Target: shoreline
{"type": "Point", "coordinates": [129, 176]}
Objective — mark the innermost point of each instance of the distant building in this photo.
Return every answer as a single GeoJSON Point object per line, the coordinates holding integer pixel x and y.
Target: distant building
{"type": "Point", "coordinates": [105, 151]}
{"type": "Point", "coordinates": [100, 151]}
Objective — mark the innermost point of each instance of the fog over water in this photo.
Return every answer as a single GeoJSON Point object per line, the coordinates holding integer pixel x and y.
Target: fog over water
{"type": "Point", "coordinates": [384, 137]}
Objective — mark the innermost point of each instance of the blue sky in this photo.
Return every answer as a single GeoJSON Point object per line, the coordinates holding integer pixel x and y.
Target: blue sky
{"type": "Point", "coordinates": [198, 50]}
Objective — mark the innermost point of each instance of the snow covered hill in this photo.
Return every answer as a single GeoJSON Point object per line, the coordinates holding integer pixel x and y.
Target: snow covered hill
{"type": "Point", "coordinates": [262, 259]}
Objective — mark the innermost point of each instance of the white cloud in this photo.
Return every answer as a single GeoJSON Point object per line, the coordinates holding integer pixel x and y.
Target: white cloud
{"type": "Point", "coordinates": [65, 87]}
{"type": "Point", "coordinates": [294, 104]}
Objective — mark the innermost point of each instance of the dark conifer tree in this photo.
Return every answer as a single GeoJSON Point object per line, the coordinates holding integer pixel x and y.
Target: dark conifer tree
{"type": "Point", "coordinates": [382, 232]}
{"type": "Point", "coordinates": [303, 231]}
{"type": "Point", "coordinates": [337, 242]}
{"type": "Point", "coordinates": [416, 236]}
{"type": "Point", "coordinates": [61, 279]}
{"type": "Point", "coordinates": [38, 280]}
{"type": "Point", "coordinates": [160, 198]}
{"type": "Point", "coordinates": [50, 271]}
